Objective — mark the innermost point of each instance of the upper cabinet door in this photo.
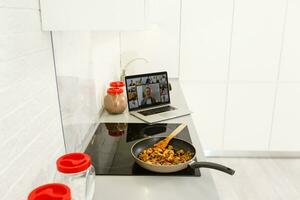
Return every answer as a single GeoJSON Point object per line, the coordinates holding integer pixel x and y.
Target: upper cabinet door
{"type": "Point", "coordinates": [89, 15]}
{"type": "Point", "coordinates": [205, 39]}
{"type": "Point", "coordinates": [256, 39]}
{"type": "Point", "coordinates": [290, 62]}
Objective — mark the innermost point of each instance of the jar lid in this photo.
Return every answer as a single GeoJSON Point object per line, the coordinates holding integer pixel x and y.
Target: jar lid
{"type": "Point", "coordinates": [50, 191]}
{"type": "Point", "coordinates": [117, 84]}
{"type": "Point", "coordinates": [114, 90]}
{"type": "Point", "coordinates": [73, 163]}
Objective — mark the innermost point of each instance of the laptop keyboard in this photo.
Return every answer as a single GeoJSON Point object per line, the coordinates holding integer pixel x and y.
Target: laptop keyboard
{"type": "Point", "coordinates": [157, 110]}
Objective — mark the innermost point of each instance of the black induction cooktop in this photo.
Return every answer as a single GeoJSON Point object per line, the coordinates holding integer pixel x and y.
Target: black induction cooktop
{"type": "Point", "coordinates": [111, 144]}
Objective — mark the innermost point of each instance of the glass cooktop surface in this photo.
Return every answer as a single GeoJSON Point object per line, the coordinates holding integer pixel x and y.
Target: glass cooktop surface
{"type": "Point", "coordinates": [110, 148]}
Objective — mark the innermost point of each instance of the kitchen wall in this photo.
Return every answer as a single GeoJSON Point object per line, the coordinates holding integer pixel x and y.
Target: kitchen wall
{"type": "Point", "coordinates": [158, 43]}
{"type": "Point", "coordinates": [87, 61]}
{"type": "Point", "coordinates": [243, 67]}
{"type": "Point", "coordinates": [30, 129]}
{"type": "Point", "coordinates": [242, 59]}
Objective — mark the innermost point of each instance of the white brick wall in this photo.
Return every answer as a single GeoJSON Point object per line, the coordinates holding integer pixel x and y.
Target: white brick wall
{"type": "Point", "coordinates": [30, 130]}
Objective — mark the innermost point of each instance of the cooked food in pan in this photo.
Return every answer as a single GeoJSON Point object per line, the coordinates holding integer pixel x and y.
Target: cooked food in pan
{"type": "Point", "coordinates": [168, 156]}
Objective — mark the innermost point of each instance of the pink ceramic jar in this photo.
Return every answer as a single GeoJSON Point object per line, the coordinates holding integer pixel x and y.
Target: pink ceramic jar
{"type": "Point", "coordinates": [115, 101]}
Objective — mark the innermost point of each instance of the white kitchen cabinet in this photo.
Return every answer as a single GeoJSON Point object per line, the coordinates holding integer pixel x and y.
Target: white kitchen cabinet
{"type": "Point", "coordinates": [88, 15]}
{"type": "Point", "coordinates": [207, 103]}
{"type": "Point", "coordinates": [205, 39]}
{"type": "Point", "coordinates": [256, 39]}
{"type": "Point", "coordinates": [286, 127]}
{"type": "Point", "coordinates": [249, 116]}
{"type": "Point", "coordinates": [290, 62]}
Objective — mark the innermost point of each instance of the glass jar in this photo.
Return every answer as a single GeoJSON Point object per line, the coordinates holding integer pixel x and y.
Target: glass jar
{"type": "Point", "coordinates": [115, 101]}
{"type": "Point", "coordinates": [50, 191]}
{"type": "Point", "coordinates": [76, 171]}
{"type": "Point", "coordinates": [116, 129]}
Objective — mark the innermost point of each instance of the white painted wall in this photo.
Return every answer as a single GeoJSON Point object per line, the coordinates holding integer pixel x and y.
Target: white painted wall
{"type": "Point", "coordinates": [159, 43]}
{"type": "Point", "coordinates": [30, 130]}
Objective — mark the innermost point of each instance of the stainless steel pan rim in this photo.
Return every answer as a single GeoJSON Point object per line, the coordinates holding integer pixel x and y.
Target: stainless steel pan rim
{"type": "Point", "coordinates": [167, 166]}
{"type": "Point", "coordinates": [178, 167]}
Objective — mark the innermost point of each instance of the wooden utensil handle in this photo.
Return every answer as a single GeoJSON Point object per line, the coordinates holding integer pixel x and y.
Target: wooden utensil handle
{"type": "Point", "coordinates": [175, 132]}
{"type": "Point", "coordinates": [164, 143]}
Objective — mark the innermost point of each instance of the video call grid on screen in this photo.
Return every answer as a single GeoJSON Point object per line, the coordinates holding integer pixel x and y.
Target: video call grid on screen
{"type": "Point", "coordinates": [147, 90]}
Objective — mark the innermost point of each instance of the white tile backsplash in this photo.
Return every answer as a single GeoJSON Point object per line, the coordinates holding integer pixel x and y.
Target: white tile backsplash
{"type": "Point", "coordinates": [13, 74]}
{"type": "Point", "coordinates": [248, 116]}
{"type": "Point", "coordinates": [159, 43]}
{"type": "Point", "coordinates": [30, 23]}
{"type": "Point", "coordinates": [26, 43]}
{"type": "Point", "coordinates": [31, 136]}
{"type": "Point", "coordinates": [26, 88]}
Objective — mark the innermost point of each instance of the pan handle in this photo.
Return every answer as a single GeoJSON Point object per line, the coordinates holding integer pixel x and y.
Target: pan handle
{"type": "Point", "coordinates": [212, 165]}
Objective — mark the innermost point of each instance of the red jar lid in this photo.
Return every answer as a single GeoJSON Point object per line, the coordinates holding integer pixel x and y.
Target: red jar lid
{"type": "Point", "coordinates": [50, 192]}
{"type": "Point", "coordinates": [114, 90]}
{"type": "Point", "coordinates": [73, 163]}
{"type": "Point", "coordinates": [117, 84]}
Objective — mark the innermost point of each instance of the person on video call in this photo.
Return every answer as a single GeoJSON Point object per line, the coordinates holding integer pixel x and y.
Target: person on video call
{"type": "Point", "coordinates": [148, 80]}
{"type": "Point", "coordinates": [148, 99]}
{"type": "Point", "coordinates": [131, 83]}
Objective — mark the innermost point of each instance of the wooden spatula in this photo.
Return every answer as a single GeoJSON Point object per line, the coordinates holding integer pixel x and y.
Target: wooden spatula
{"type": "Point", "coordinates": [164, 143]}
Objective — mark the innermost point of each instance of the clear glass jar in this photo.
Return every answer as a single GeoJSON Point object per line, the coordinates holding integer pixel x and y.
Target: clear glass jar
{"type": "Point", "coordinates": [116, 129]}
{"type": "Point", "coordinates": [115, 101]}
{"type": "Point", "coordinates": [76, 171]}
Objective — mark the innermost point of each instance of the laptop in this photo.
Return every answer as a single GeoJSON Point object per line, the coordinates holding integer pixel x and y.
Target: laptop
{"type": "Point", "coordinates": [148, 97]}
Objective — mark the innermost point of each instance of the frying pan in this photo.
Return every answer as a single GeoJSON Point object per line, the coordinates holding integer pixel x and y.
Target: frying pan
{"type": "Point", "coordinates": [139, 146]}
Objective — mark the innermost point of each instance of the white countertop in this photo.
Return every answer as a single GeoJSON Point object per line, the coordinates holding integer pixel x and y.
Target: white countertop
{"type": "Point", "coordinates": [158, 187]}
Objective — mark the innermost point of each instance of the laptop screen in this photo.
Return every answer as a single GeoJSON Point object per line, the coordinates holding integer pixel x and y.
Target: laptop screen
{"type": "Point", "coordinates": [147, 90]}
